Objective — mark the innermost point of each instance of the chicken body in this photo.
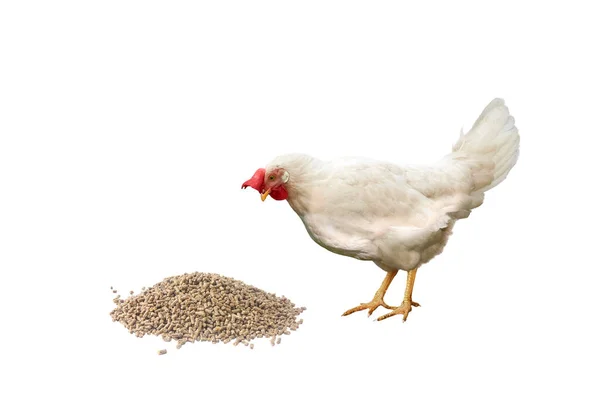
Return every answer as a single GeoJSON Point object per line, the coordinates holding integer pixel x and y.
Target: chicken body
{"type": "Point", "coordinates": [367, 210]}
{"type": "Point", "coordinates": [399, 217]}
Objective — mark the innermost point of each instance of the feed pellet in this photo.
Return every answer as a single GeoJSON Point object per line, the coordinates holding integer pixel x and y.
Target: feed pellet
{"type": "Point", "coordinates": [207, 307]}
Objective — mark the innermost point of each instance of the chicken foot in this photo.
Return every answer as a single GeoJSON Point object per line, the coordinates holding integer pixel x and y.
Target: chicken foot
{"type": "Point", "coordinates": [377, 299]}
{"type": "Point", "coordinates": [407, 303]}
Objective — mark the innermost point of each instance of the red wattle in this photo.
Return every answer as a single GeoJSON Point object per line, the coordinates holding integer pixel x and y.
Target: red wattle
{"type": "Point", "coordinates": [279, 193]}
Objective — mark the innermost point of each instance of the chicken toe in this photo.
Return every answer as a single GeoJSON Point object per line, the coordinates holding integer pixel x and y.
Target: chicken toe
{"type": "Point", "coordinates": [377, 299]}
{"type": "Point", "coordinates": [371, 306]}
{"type": "Point", "coordinates": [407, 303]}
{"type": "Point", "coordinates": [404, 309]}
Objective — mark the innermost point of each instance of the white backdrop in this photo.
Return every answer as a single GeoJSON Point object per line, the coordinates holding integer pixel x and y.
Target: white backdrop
{"type": "Point", "coordinates": [127, 128]}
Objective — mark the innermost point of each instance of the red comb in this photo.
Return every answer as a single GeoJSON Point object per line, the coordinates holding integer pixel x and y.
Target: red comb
{"type": "Point", "coordinates": [257, 181]}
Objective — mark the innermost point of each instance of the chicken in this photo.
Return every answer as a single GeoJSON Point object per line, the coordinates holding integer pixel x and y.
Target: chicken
{"type": "Point", "coordinates": [399, 217]}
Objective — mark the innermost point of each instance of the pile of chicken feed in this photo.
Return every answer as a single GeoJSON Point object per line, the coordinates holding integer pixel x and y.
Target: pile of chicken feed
{"type": "Point", "coordinates": [207, 307]}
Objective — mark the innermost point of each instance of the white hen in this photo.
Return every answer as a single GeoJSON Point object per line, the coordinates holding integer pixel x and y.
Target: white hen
{"type": "Point", "coordinates": [399, 217]}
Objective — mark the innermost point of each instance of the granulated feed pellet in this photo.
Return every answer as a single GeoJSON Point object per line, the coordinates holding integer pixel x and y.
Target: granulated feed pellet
{"type": "Point", "coordinates": [207, 307]}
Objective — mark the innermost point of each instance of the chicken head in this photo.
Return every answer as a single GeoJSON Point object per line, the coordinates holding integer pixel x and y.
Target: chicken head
{"type": "Point", "coordinates": [272, 184]}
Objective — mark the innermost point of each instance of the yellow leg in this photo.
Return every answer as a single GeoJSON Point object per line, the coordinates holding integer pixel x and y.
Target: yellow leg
{"type": "Point", "coordinates": [377, 299]}
{"type": "Point", "coordinates": [407, 302]}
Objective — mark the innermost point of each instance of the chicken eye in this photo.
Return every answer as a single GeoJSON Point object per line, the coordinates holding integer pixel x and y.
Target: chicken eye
{"type": "Point", "coordinates": [271, 177]}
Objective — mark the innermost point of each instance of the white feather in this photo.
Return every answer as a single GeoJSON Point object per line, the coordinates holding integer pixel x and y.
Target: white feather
{"type": "Point", "coordinates": [400, 217]}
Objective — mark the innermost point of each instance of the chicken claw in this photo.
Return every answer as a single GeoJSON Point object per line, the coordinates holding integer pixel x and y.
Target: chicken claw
{"type": "Point", "coordinates": [371, 306]}
{"type": "Point", "coordinates": [377, 299]}
{"type": "Point", "coordinates": [407, 303]}
{"type": "Point", "coordinates": [404, 309]}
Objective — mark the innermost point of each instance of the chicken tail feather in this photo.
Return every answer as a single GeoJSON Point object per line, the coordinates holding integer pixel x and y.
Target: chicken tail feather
{"type": "Point", "coordinates": [490, 148]}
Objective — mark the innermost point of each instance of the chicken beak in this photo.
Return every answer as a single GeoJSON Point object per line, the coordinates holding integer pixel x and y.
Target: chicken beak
{"type": "Point", "coordinates": [264, 195]}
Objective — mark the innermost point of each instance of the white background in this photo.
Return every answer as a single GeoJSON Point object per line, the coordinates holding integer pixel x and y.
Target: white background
{"type": "Point", "coordinates": [128, 127]}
